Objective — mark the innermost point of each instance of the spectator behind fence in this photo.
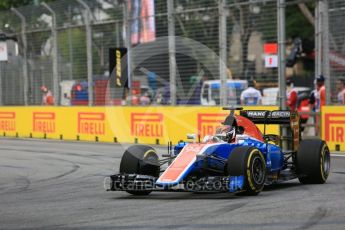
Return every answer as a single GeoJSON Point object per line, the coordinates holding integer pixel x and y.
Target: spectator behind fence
{"type": "Point", "coordinates": [47, 97]}
{"type": "Point", "coordinates": [312, 98]}
{"type": "Point", "coordinates": [291, 94]}
{"type": "Point", "coordinates": [152, 80]}
{"type": "Point", "coordinates": [320, 94]}
{"type": "Point", "coordinates": [251, 96]}
{"type": "Point", "coordinates": [145, 99]}
{"type": "Point", "coordinates": [341, 91]}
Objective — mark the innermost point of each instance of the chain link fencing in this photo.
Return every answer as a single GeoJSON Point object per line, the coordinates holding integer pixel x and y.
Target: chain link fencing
{"type": "Point", "coordinates": [337, 45]}
{"type": "Point", "coordinates": [233, 33]}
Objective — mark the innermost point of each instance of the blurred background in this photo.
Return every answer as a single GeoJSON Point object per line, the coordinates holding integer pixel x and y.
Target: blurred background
{"type": "Point", "coordinates": [62, 49]}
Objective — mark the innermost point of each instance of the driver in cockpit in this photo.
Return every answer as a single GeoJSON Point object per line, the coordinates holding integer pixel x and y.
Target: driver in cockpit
{"type": "Point", "coordinates": [225, 133]}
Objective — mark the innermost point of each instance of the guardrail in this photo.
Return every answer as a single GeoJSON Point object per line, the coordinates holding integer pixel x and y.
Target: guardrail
{"type": "Point", "coordinates": [149, 125]}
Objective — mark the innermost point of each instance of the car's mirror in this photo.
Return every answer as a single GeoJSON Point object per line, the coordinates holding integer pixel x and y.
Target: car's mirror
{"type": "Point", "coordinates": [240, 130]}
{"type": "Point", "coordinates": [191, 136]}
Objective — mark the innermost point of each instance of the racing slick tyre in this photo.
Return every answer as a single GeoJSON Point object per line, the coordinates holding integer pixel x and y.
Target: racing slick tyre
{"type": "Point", "coordinates": [249, 162]}
{"type": "Point", "coordinates": [313, 161]}
{"type": "Point", "coordinates": [140, 159]}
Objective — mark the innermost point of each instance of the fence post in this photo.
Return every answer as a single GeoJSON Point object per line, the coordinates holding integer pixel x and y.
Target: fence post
{"type": "Point", "coordinates": [117, 35]}
{"type": "Point", "coordinates": [1, 101]}
{"type": "Point", "coordinates": [281, 64]}
{"type": "Point", "coordinates": [172, 51]}
{"type": "Point", "coordinates": [281, 54]}
{"type": "Point", "coordinates": [222, 52]}
{"type": "Point", "coordinates": [318, 67]}
{"type": "Point", "coordinates": [87, 18]}
{"type": "Point", "coordinates": [70, 44]}
{"type": "Point", "coordinates": [25, 63]}
{"type": "Point", "coordinates": [325, 51]}
{"type": "Point", "coordinates": [128, 44]}
{"type": "Point", "coordinates": [54, 55]}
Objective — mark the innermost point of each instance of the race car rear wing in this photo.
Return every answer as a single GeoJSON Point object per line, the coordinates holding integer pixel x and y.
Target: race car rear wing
{"type": "Point", "coordinates": [278, 117]}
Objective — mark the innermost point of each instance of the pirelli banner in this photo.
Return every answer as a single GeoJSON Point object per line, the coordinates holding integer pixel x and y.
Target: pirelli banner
{"type": "Point", "coordinates": [333, 127]}
{"type": "Point", "coordinates": [150, 125]}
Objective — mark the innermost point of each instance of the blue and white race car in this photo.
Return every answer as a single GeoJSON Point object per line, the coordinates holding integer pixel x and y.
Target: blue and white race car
{"type": "Point", "coordinates": [238, 158]}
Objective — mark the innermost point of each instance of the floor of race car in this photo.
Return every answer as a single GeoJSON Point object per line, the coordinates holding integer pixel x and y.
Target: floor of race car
{"type": "Point", "coordinates": [54, 184]}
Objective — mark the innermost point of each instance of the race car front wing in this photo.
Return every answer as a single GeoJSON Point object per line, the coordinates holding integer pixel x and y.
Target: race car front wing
{"type": "Point", "coordinates": [137, 182]}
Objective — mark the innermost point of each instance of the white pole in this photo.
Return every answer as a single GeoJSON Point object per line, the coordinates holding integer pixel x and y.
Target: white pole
{"type": "Point", "coordinates": [25, 61]}
{"type": "Point", "coordinates": [325, 53]}
{"type": "Point", "coordinates": [172, 51]}
{"type": "Point", "coordinates": [54, 55]}
{"type": "Point", "coordinates": [281, 54]}
{"type": "Point", "coordinates": [87, 17]}
{"type": "Point", "coordinates": [282, 64]}
{"type": "Point", "coordinates": [222, 53]}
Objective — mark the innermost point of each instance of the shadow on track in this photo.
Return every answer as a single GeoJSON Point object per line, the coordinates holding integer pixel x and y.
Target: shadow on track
{"type": "Point", "coordinates": [282, 186]}
{"type": "Point", "coordinates": [203, 196]}
{"type": "Point", "coordinates": [179, 196]}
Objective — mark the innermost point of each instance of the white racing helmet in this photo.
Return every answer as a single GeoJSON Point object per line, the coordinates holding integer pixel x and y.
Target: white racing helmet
{"type": "Point", "coordinates": [226, 133]}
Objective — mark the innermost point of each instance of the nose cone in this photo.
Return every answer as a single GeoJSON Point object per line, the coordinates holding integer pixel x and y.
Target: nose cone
{"type": "Point", "coordinates": [181, 166]}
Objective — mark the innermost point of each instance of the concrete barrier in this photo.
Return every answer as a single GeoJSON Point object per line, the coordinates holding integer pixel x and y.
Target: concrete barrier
{"type": "Point", "coordinates": [150, 125]}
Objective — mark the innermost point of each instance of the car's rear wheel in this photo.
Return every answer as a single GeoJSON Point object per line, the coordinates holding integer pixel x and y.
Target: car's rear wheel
{"type": "Point", "coordinates": [313, 161]}
{"type": "Point", "coordinates": [140, 159]}
{"type": "Point", "coordinates": [248, 162]}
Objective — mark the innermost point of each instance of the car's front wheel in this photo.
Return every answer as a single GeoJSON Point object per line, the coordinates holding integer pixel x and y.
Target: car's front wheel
{"type": "Point", "coordinates": [249, 162]}
{"type": "Point", "coordinates": [140, 159]}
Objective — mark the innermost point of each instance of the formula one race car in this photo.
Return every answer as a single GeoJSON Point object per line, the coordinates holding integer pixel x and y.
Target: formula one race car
{"type": "Point", "coordinates": [238, 159]}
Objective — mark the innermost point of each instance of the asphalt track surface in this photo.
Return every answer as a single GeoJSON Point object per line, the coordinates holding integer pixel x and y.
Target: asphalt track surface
{"type": "Point", "coordinates": [59, 185]}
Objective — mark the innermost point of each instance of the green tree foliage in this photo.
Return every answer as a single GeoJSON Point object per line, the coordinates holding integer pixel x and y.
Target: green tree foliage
{"type": "Point", "coordinates": [297, 25]}
{"type": "Point", "coordinates": [7, 4]}
{"type": "Point", "coordinates": [73, 40]}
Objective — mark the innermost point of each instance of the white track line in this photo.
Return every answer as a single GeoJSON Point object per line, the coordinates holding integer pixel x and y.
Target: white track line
{"type": "Point", "coordinates": [337, 155]}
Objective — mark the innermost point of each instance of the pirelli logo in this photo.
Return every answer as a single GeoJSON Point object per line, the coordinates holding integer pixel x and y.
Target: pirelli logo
{"type": "Point", "coordinates": [118, 68]}
{"type": "Point", "coordinates": [7, 121]}
{"type": "Point", "coordinates": [91, 123]}
{"type": "Point", "coordinates": [43, 122]}
{"type": "Point", "coordinates": [209, 122]}
{"type": "Point", "coordinates": [147, 124]}
{"type": "Point", "coordinates": [334, 127]}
